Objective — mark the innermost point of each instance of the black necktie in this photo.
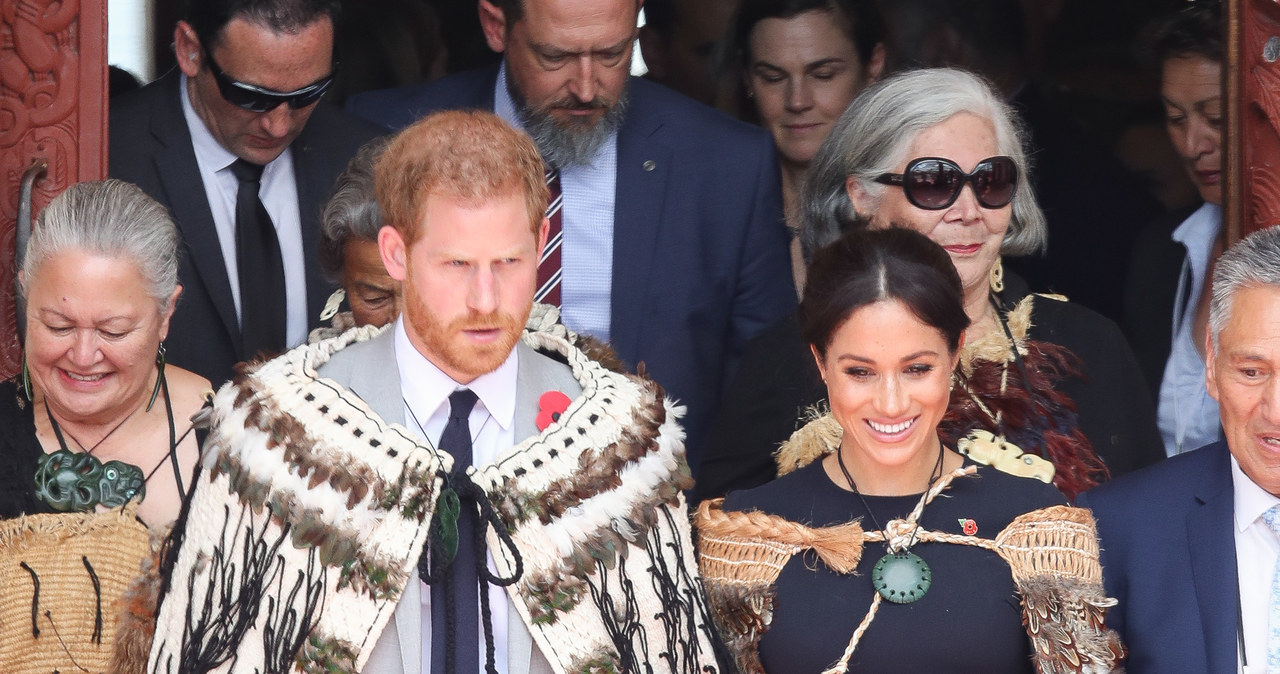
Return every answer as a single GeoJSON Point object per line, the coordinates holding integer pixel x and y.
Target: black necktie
{"type": "Point", "coordinates": [464, 581]}
{"type": "Point", "coordinates": [261, 269]}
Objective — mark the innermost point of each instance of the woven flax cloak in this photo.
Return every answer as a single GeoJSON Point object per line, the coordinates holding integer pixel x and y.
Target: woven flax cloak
{"type": "Point", "coordinates": [310, 511]}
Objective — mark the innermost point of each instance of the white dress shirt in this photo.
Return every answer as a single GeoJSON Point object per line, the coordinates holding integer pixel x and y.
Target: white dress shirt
{"type": "Point", "coordinates": [426, 398]}
{"type": "Point", "coordinates": [279, 194]}
{"type": "Point", "coordinates": [1185, 412]}
{"type": "Point", "coordinates": [586, 256]}
{"type": "Point", "coordinates": [1257, 550]}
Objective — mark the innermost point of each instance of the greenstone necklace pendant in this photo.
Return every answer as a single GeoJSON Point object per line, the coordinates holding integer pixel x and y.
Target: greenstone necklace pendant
{"type": "Point", "coordinates": [901, 577]}
{"type": "Point", "coordinates": [77, 481]}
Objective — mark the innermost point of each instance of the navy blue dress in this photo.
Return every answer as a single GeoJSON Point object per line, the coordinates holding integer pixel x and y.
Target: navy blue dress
{"type": "Point", "coordinates": [969, 621]}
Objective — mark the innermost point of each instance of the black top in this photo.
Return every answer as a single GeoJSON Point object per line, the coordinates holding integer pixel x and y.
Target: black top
{"type": "Point", "coordinates": [778, 378]}
{"type": "Point", "coordinates": [20, 451]}
{"type": "Point", "coordinates": [970, 620]}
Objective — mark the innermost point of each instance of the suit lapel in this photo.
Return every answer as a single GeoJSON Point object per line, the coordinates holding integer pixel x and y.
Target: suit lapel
{"type": "Point", "coordinates": [1210, 533]}
{"type": "Point", "coordinates": [527, 393]}
{"type": "Point", "coordinates": [180, 175]}
{"type": "Point", "coordinates": [309, 173]}
{"type": "Point", "coordinates": [377, 381]}
{"type": "Point", "coordinates": [644, 164]}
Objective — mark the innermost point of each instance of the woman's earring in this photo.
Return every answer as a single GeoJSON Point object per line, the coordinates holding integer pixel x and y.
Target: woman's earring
{"type": "Point", "coordinates": [26, 378]}
{"type": "Point", "coordinates": [159, 375]}
{"type": "Point", "coordinates": [997, 276]}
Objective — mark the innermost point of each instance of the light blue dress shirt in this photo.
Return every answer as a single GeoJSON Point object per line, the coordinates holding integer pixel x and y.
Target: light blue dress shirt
{"type": "Point", "coordinates": [1187, 415]}
{"type": "Point", "coordinates": [586, 256]}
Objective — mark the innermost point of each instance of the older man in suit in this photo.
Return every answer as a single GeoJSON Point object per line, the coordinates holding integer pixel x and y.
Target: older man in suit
{"type": "Point", "coordinates": [238, 147]}
{"type": "Point", "coordinates": [468, 490]}
{"type": "Point", "coordinates": [1190, 545]}
{"type": "Point", "coordinates": [674, 248]}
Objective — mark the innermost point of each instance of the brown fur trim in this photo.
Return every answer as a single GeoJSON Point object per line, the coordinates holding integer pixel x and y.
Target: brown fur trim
{"type": "Point", "coordinates": [136, 620]}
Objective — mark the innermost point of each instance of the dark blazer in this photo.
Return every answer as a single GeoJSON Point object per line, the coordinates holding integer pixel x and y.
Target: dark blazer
{"type": "Point", "coordinates": [151, 147]}
{"type": "Point", "coordinates": [1168, 557]}
{"type": "Point", "coordinates": [700, 262]}
{"type": "Point", "coordinates": [1149, 295]}
{"type": "Point", "coordinates": [778, 380]}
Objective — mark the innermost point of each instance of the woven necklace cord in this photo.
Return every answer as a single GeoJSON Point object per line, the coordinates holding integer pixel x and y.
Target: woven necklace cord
{"type": "Point", "coordinates": [70, 481]}
{"type": "Point", "coordinates": [934, 475]}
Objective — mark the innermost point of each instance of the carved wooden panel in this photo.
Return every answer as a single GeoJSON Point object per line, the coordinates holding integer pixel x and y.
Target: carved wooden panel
{"type": "Point", "coordinates": [53, 105]}
{"type": "Point", "coordinates": [1253, 109]}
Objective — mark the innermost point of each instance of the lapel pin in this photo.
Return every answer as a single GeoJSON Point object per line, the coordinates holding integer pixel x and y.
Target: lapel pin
{"type": "Point", "coordinates": [649, 165]}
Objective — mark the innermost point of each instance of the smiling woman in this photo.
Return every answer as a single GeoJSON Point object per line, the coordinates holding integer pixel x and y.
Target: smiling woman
{"type": "Point", "coordinates": [96, 430]}
{"type": "Point", "coordinates": [884, 320]}
{"type": "Point", "coordinates": [100, 282]}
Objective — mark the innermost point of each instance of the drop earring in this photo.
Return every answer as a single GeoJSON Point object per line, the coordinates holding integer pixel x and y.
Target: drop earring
{"type": "Point", "coordinates": [26, 379]}
{"type": "Point", "coordinates": [159, 375]}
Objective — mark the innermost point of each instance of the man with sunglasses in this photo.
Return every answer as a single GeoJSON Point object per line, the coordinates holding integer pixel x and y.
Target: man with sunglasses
{"type": "Point", "coordinates": [238, 146]}
{"type": "Point", "coordinates": [674, 248]}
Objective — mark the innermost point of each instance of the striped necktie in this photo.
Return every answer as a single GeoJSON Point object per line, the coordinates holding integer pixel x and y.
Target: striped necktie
{"type": "Point", "coordinates": [549, 270]}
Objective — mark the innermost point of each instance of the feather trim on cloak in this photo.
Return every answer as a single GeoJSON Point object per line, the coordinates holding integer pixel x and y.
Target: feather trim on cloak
{"type": "Point", "coordinates": [310, 512]}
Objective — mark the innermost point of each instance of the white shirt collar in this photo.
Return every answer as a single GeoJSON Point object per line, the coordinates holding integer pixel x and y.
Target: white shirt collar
{"type": "Point", "coordinates": [1199, 229]}
{"type": "Point", "coordinates": [426, 387]}
{"type": "Point", "coordinates": [1250, 499]}
{"type": "Point", "coordinates": [208, 150]}
{"type": "Point", "coordinates": [206, 146]}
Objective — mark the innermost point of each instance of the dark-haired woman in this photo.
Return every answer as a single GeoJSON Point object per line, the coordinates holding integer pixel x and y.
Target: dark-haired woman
{"type": "Point", "coordinates": [1166, 298]}
{"type": "Point", "coordinates": [803, 61]}
{"type": "Point", "coordinates": [925, 561]}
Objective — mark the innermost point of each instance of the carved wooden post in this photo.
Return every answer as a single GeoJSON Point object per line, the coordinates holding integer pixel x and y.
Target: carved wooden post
{"type": "Point", "coordinates": [1253, 116]}
{"type": "Point", "coordinates": [53, 105]}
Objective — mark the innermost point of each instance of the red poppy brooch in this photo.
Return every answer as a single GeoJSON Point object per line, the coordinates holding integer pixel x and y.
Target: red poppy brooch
{"type": "Point", "coordinates": [550, 406]}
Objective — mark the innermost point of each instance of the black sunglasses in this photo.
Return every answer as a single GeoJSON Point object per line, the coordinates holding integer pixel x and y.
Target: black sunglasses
{"type": "Point", "coordinates": [933, 183]}
{"type": "Point", "coordinates": [256, 99]}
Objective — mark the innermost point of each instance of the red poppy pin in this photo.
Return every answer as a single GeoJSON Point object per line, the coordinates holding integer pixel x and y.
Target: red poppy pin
{"type": "Point", "coordinates": [550, 406]}
{"type": "Point", "coordinates": [969, 527]}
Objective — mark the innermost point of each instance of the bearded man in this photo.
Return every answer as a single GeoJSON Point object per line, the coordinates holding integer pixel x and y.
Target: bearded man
{"type": "Point", "coordinates": [674, 248]}
{"type": "Point", "coordinates": [465, 490]}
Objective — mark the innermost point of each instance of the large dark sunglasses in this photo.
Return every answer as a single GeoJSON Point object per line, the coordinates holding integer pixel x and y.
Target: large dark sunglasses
{"type": "Point", "coordinates": [256, 99]}
{"type": "Point", "coordinates": [933, 183]}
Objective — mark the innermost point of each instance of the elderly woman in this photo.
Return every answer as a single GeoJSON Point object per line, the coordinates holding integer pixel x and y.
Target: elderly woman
{"type": "Point", "coordinates": [884, 318]}
{"type": "Point", "coordinates": [803, 61]}
{"type": "Point", "coordinates": [97, 427]}
{"type": "Point", "coordinates": [939, 152]}
{"type": "Point", "coordinates": [349, 250]}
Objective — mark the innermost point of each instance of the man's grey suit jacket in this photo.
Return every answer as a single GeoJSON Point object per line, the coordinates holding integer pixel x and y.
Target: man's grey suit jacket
{"type": "Point", "coordinates": [369, 370]}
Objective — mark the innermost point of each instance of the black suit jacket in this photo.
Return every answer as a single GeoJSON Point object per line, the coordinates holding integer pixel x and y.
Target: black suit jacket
{"type": "Point", "coordinates": [700, 262]}
{"type": "Point", "coordinates": [1168, 556]}
{"type": "Point", "coordinates": [150, 146]}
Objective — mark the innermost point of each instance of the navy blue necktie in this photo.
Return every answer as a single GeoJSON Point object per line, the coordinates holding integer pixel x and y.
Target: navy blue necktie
{"type": "Point", "coordinates": [461, 577]}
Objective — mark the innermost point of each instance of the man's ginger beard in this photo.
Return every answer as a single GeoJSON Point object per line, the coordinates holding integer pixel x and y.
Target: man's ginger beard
{"type": "Point", "coordinates": [448, 347]}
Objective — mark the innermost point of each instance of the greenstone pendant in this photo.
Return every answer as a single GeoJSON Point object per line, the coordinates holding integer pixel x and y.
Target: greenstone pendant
{"type": "Point", "coordinates": [77, 482]}
{"type": "Point", "coordinates": [448, 507]}
{"type": "Point", "coordinates": [901, 577]}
